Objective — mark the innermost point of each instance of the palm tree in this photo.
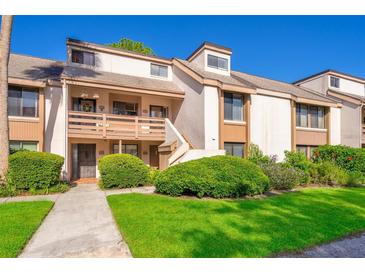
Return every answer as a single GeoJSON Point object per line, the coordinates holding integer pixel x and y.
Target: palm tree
{"type": "Point", "coordinates": [5, 37]}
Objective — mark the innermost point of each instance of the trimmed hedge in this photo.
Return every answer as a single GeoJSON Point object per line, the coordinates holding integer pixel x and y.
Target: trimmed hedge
{"type": "Point", "coordinates": [34, 170]}
{"type": "Point", "coordinates": [122, 171]}
{"type": "Point", "coordinates": [217, 176]}
{"type": "Point", "coordinates": [282, 176]}
{"type": "Point", "coordinates": [347, 158]}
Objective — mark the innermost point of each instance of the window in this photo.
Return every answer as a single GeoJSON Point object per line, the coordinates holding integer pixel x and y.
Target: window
{"type": "Point", "coordinates": [234, 149]}
{"type": "Point", "coordinates": [217, 62]}
{"type": "Point", "coordinates": [123, 108]}
{"type": "Point", "coordinates": [83, 57]}
{"type": "Point", "coordinates": [126, 149]}
{"type": "Point", "coordinates": [23, 101]}
{"type": "Point", "coordinates": [158, 70]}
{"type": "Point", "coordinates": [335, 82]}
{"type": "Point", "coordinates": [233, 107]}
{"type": "Point", "coordinates": [310, 116]}
{"type": "Point", "coordinates": [158, 111]}
{"type": "Point", "coordinates": [23, 145]}
{"type": "Point", "coordinates": [302, 149]}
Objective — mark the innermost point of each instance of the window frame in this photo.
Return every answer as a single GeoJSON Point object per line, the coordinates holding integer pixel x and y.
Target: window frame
{"type": "Point", "coordinates": [234, 143]}
{"type": "Point", "coordinates": [21, 110]}
{"type": "Point", "coordinates": [218, 59]}
{"type": "Point", "coordinates": [82, 57]}
{"type": "Point", "coordinates": [124, 147]}
{"type": "Point", "coordinates": [127, 112]}
{"type": "Point", "coordinates": [336, 81]}
{"type": "Point", "coordinates": [22, 142]}
{"type": "Point", "coordinates": [159, 70]}
{"type": "Point", "coordinates": [243, 116]}
{"type": "Point", "coordinates": [310, 115]}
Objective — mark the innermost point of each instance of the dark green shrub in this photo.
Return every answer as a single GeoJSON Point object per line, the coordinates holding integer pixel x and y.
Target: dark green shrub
{"type": "Point", "coordinates": [257, 156]}
{"type": "Point", "coordinates": [122, 170]}
{"type": "Point", "coordinates": [282, 176]}
{"type": "Point", "coordinates": [300, 162]}
{"type": "Point", "coordinates": [38, 170]}
{"type": "Point", "coordinates": [328, 173]}
{"type": "Point", "coordinates": [217, 176]}
{"type": "Point", "coordinates": [347, 158]}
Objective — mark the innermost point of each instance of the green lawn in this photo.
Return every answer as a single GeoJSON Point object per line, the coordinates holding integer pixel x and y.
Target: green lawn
{"type": "Point", "coordinates": [18, 222]}
{"type": "Point", "coordinates": [159, 226]}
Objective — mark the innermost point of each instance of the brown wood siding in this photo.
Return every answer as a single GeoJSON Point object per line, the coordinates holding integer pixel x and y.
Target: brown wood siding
{"type": "Point", "coordinates": [313, 138]}
{"type": "Point", "coordinates": [29, 129]}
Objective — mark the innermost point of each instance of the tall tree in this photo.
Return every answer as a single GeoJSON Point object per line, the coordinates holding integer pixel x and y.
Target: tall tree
{"type": "Point", "coordinates": [5, 37]}
{"type": "Point", "coordinates": [128, 44]}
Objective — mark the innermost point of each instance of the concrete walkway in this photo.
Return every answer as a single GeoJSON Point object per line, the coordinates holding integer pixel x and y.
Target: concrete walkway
{"type": "Point", "coordinates": [79, 225]}
{"type": "Point", "coordinates": [350, 247]}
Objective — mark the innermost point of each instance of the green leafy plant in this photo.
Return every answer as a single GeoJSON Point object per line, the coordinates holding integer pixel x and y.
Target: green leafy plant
{"type": "Point", "coordinates": [300, 162]}
{"type": "Point", "coordinates": [257, 156]}
{"type": "Point", "coordinates": [128, 44]}
{"type": "Point", "coordinates": [347, 158]}
{"type": "Point", "coordinates": [122, 170]}
{"type": "Point", "coordinates": [328, 173]}
{"type": "Point", "coordinates": [217, 176]}
{"type": "Point", "coordinates": [37, 170]}
{"type": "Point", "coordinates": [281, 176]}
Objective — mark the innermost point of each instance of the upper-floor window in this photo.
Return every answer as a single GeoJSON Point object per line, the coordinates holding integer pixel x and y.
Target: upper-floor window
{"type": "Point", "coordinates": [233, 107]}
{"type": "Point", "coordinates": [124, 108]}
{"type": "Point", "coordinates": [217, 62]}
{"type": "Point", "coordinates": [83, 57]}
{"type": "Point", "coordinates": [334, 82]}
{"type": "Point", "coordinates": [310, 116]}
{"type": "Point", "coordinates": [159, 70]}
{"type": "Point", "coordinates": [22, 101]}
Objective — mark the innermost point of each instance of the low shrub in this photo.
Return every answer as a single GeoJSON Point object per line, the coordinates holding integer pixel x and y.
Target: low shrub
{"type": "Point", "coordinates": [217, 176]}
{"type": "Point", "coordinates": [122, 171]}
{"type": "Point", "coordinates": [282, 176]}
{"type": "Point", "coordinates": [6, 190]}
{"type": "Point", "coordinates": [256, 156]}
{"type": "Point", "coordinates": [348, 158]}
{"type": "Point", "coordinates": [59, 188]}
{"type": "Point", "coordinates": [300, 162]}
{"type": "Point", "coordinates": [37, 170]}
{"type": "Point", "coordinates": [153, 175]}
{"type": "Point", "coordinates": [328, 173]}
{"type": "Point", "coordinates": [355, 179]}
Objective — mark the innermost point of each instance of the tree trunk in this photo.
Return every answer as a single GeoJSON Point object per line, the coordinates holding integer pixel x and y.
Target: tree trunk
{"type": "Point", "coordinates": [5, 36]}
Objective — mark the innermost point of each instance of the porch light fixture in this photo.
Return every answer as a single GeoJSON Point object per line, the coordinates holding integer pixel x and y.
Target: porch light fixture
{"type": "Point", "coordinates": [84, 95]}
{"type": "Point", "coordinates": [96, 96]}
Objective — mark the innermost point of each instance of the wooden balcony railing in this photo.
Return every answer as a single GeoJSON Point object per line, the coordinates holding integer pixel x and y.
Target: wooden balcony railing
{"type": "Point", "coordinates": [112, 126]}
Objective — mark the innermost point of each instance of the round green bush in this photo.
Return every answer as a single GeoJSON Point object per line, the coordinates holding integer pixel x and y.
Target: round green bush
{"type": "Point", "coordinates": [122, 170]}
{"type": "Point", "coordinates": [282, 176]}
{"type": "Point", "coordinates": [217, 176]}
{"type": "Point", "coordinates": [36, 170]}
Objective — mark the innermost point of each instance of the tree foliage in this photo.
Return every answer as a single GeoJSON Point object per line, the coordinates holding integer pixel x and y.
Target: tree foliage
{"type": "Point", "coordinates": [128, 44]}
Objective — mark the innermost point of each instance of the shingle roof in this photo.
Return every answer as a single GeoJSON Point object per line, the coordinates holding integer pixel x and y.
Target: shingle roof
{"type": "Point", "coordinates": [358, 97]}
{"type": "Point", "coordinates": [120, 79]}
{"type": "Point", "coordinates": [210, 75]}
{"type": "Point", "coordinates": [34, 68]}
{"type": "Point", "coordinates": [273, 85]}
{"type": "Point", "coordinates": [329, 71]}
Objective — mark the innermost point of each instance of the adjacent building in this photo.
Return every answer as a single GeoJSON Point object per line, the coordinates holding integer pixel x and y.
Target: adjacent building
{"type": "Point", "coordinates": [104, 100]}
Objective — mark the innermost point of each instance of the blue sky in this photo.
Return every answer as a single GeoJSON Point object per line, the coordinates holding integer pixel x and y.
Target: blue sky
{"type": "Point", "coordinates": [279, 47]}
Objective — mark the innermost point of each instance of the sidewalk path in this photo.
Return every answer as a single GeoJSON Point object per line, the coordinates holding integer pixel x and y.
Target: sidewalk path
{"type": "Point", "coordinates": [79, 225]}
{"type": "Point", "coordinates": [351, 247]}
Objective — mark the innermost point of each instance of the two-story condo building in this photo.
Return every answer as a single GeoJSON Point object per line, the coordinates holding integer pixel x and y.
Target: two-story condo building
{"type": "Point", "coordinates": [105, 100]}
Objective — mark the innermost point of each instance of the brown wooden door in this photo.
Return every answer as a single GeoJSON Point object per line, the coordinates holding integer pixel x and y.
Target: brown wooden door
{"type": "Point", "coordinates": [154, 159]}
{"type": "Point", "coordinates": [87, 160]}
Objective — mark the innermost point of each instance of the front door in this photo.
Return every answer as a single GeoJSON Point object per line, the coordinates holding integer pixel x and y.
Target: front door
{"type": "Point", "coordinates": [154, 159]}
{"type": "Point", "coordinates": [87, 160]}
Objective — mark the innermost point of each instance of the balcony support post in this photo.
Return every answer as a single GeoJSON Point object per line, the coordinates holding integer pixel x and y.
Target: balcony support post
{"type": "Point", "coordinates": [120, 146]}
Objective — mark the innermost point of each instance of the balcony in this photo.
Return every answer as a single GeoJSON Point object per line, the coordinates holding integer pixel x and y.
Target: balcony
{"type": "Point", "coordinates": [115, 127]}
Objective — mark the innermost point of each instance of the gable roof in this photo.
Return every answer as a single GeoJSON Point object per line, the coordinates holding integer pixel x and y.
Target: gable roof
{"type": "Point", "coordinates": [278, 86]}
{"type": "Point", "coordinates": [330, 71]}
{"type": "Point", "coordinates": [122, 80]}
{"type": "Point", "coordinates": [34, 68]}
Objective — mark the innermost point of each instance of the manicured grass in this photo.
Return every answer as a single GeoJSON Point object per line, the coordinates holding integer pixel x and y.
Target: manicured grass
{"type": "Point", "coordinates": [159, 226]}
{"type": "Point", "coordinates": [18, 222]}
